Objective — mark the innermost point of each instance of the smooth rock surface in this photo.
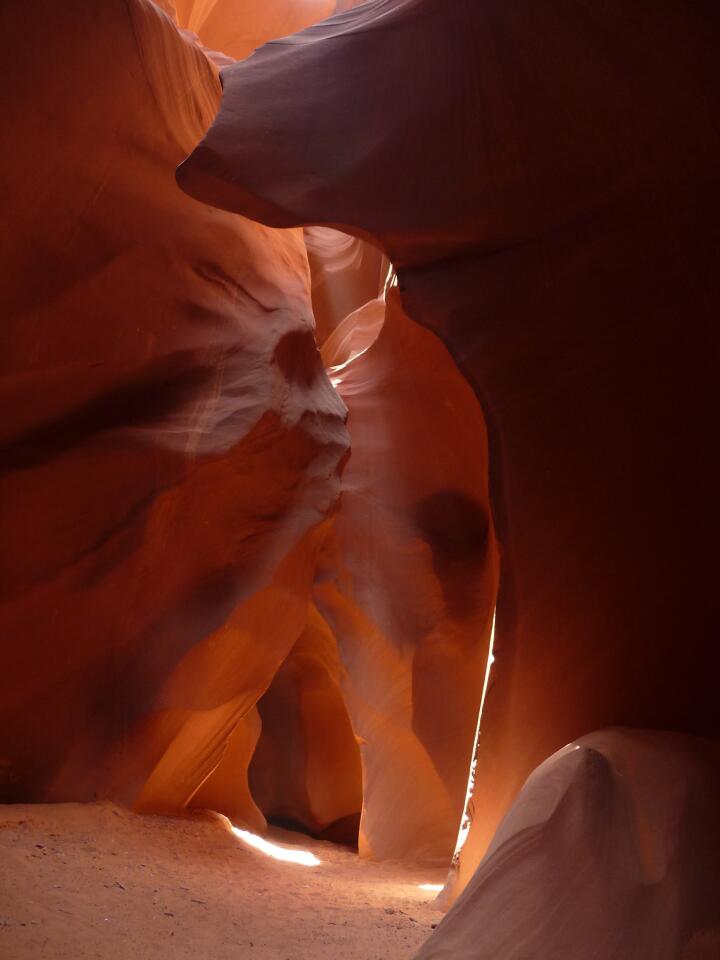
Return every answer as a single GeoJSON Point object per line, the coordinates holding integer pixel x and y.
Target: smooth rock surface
{"type": "Point", "coordinates": [544, 179]}
{"type": "Point", "coordinates": [346, 273]}
{"type": "Point", "coordinates": [306, 769]}
{"type": "Point", "coordinates": [407, 579]}
{"type": "Point", "coordinates": [609, 852]}
{"type": "Point", "coordinates": [171, 443]}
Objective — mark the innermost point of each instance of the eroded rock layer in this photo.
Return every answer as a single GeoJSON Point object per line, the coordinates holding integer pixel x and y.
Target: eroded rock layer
{"type": "Point", "coordinates": [610, 851]}
{"type": "Point", "coordinates": [306, 769]}
{"type": "Point", "coordinates": [544, 179]}
{"type": "Point", "coordinates": [171, 443]}
{"type": "Point", "coordinates": [236, 27]}
{"type": "Point", "coordinates": [346, 273]}
{"type": "Point", "coordinates": [407, 580]}
{"type": "Point", "coordinates": [227, 790]}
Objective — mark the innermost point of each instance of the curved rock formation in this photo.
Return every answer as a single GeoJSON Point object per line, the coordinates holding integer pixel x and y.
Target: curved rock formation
{"type": "Point", "coordinates": [355, 334]}
{"type": "Point", "coordinates": [346, 273]}
{"type": "Point", "coordinates": [544, 182]}
{"type": "Point", "coordinates": [171, 443]}
{"type": "Point", "coordinates": [610, 850]}
{"type": "Point", "coordinates": [227, 790]}
{"type": "Point", "coordinates": [237, 27]}
{"type": "Point", "coordinates": [306, 770]}
{"type": "Point", "coordinates": [407, 581]}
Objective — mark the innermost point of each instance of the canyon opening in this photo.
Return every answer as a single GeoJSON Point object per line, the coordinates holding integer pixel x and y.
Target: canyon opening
{"type": "Point", "coordinates": [358, 481]}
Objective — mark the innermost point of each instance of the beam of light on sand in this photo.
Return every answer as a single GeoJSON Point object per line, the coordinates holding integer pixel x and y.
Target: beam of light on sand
{"type": "Point", "coordinates": [303, 857]}
{"type": "Point", "coordinates": [434, 887]}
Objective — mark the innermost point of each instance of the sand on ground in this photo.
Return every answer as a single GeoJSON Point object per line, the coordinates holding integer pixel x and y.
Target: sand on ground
{"type": "Point", "coordinates": [97, 882]}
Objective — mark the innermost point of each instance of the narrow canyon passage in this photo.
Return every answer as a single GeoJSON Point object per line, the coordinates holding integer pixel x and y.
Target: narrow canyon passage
{"type": "Point", "coordinates": [357, 491]}
{"type": "Point", "coordinates": [287, 551]}
{"type": "Point", "coordinates": [98, 881]}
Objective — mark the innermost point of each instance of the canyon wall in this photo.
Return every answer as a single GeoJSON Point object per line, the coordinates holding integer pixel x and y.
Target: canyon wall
{"type": "Point", "coordinates": [237, 27]}
{"type": "Point", "coordinates": [407, 580]}
{"type": "Point", "coordinates": [191, 615]}
{"type": "Point", "coordinates": [544, 181]}
{"type": "Point", "coordinates": [211, 597]}
{"type": "Point", "coordinates": [171, 443]}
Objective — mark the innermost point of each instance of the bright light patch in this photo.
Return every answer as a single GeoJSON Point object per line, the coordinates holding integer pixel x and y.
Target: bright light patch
{"type": "Point", "coordinates": [274, 850]}
{"type": "Point", "coordinates": [434, 887]}
{"type": "Point", "coordinates": [466, 818]}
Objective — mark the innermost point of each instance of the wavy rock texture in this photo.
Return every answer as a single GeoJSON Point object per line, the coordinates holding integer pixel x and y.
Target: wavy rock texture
{"type": "Point", "coordinates": [237, 27]}
{"type": "Point", "coordinates": [227, 790]}
{"type": "Point", "coordinates": [407, 581]}
{"type": "Point", "coordinates": [353, 336]}
{"type": "Point", "coordinates": [610, 850]}
{"type": "Point", "coordinates": [171, 442]}
{"type": "Point", "coordinates": [545, 184]}
{"type": "Point", "coordinates": [306, 770]}
{"type": "Point", "coordinates": [346, 273]}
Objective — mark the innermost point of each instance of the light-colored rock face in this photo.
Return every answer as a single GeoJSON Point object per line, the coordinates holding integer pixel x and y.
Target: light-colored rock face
{"type": "Point", "coordinates": [346, 273]}
{"type": "Point", "coordinates": [563, 244]}
{"type": "Point", "coordinates": [609, 851]}
{"type": "Point", "coordinates": [227, 790]}
{"type": "Point", "coordinates": [237, 27]}
{"type": "Point", "coordinates": [171, 442]}
{"type": "Point", "coordinates": [407, 581]}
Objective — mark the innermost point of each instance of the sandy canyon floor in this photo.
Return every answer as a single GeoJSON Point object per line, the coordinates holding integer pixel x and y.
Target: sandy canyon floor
{"type": "Point", "coordinates": [95, 881]}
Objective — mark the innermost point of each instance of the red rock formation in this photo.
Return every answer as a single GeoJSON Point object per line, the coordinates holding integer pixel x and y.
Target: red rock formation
{"type": "Point", "coordinates": [544, 179]}
{"type": "Point", "coordinates": [346, 272]}
{"type": "Point", "coordinates": [610, 850]}
{"type": "Point", "coordinates": [170, 440]}
{"type": "Point", "coordinates": [306, 770]}
{"type": "Point", "coordinates": [408, 580]}
{"type": "Point", "coordinates": [353, 336]}
{"type": "Point", "coordinates": [227, 790]}
{"type": "Point", "coordinates": [237, 27]}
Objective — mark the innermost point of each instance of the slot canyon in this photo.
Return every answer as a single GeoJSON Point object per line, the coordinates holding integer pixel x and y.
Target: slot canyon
{"type": "Point", "coordinates": [357, 499]}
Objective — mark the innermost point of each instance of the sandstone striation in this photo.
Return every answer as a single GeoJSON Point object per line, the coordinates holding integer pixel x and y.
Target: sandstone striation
{"type": "Point", "coordinates": [237, 27]}
{"type": "Point", "coordinates": [485, 234]}
{"type": "Point", "coordinates": [306, 769]}
{"type": "Point", "coordinates": [171, 443]}
{"type": "Point", "coordinates": [610, 850]}
{"type": "Point", "coordinates": [346, 273]}
{"type": "Point", "coordinates": [544, 181]}
{"type": "Point", "coordinates": [407, 580]}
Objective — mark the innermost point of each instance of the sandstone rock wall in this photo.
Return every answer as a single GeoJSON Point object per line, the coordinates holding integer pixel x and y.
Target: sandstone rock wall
{"type": "Point", "coordinates": [172, 463]}
{"type": "Point", "coordinates": [171, 443]}
{"type": "Point", "coordinates": [185, 589]}
{"type": "Point", "coordinates": [544, 180]}
{"type": "Point", "coordinates": [306, 769]}
{"type": "Point", "coordinates": [407, 581]}
{"type": "Point", "coordinates": [610, 850]}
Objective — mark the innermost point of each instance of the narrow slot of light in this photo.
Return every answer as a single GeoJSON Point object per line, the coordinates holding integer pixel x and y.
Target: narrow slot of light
{"type": "Point", "coordinates": [274, 850]}
{"type": "Point", "coordinates": [391, 279]}
{"type": "Point", "coordinates": [466, 819]}
{"type": "Point", "coordinates": [433, 887]}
